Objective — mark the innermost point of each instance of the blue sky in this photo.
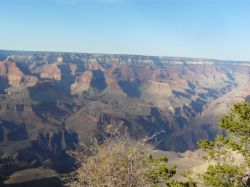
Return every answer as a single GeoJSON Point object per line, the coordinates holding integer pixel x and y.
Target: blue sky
{"type": "Point", "coordinates": [191, 28]}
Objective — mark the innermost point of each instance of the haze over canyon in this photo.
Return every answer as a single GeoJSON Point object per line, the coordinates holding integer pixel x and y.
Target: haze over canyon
{"type": "Point", "coordinates": [50, 102]}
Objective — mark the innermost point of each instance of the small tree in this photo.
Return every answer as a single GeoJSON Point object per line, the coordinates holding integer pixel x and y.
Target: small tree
{"type": "Point", "coordinates": [121, 162]}
{"type": "Point", "coordinates": [226, 171]}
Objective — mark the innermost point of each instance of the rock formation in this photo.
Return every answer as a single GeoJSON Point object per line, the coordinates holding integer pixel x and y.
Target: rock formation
{"type": "Point", "coordinates": [50, 102]}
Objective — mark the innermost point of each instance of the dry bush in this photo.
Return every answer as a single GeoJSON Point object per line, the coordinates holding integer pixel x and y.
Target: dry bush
{"type": "Point", "coordinates": [119, 162]}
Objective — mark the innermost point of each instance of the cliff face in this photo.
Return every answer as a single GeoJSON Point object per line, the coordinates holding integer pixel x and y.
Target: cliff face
{"type": "Point", "coordinates": [14, 76]}
{"type": "Point", "coordinates": [49, 102]}
{"type": "Point", "coordinates": [49, 71]}
{"type": "Point", "coordinates": [83, 82]}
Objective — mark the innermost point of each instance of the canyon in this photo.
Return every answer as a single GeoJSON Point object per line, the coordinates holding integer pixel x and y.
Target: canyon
{"type": "Point", "coordinates": [50, 102]}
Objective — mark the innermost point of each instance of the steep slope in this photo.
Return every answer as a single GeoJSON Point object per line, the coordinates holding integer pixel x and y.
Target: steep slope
{"type": "Point", "coordinates": [49, 102]}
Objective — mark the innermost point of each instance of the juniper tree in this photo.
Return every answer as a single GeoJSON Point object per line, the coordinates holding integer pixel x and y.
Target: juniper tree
{"type": "Point", "coordinates": [226, 170]}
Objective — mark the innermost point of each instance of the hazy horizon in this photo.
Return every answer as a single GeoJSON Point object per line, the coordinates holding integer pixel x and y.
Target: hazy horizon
{"type": "Point", "coordinates": [208, 29]}
{"type": "Point", "coordinates": [129, 54]}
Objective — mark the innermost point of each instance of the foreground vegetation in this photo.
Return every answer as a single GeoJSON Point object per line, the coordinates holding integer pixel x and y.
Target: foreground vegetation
{"type": "Point", "coordinates": [230, 154]}
{"type": "Point", "coordinates": [121, 162]}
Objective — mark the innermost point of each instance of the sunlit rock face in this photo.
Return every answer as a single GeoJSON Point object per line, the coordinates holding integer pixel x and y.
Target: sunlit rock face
{"type": "Point", "coordinates": [83, 82]}
{"type": "Point", "coordinates": [10, 72]}
{"type": "Point", "coordinates": [49, 71]}
{"type": "Point", "coordinates": [51, 102]}
{"type": "Point", "coordinates": [13, 80]}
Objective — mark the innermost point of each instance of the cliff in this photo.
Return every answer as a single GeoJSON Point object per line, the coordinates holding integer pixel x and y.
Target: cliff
{"type": "Point", "coordinates": [49, 102]}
